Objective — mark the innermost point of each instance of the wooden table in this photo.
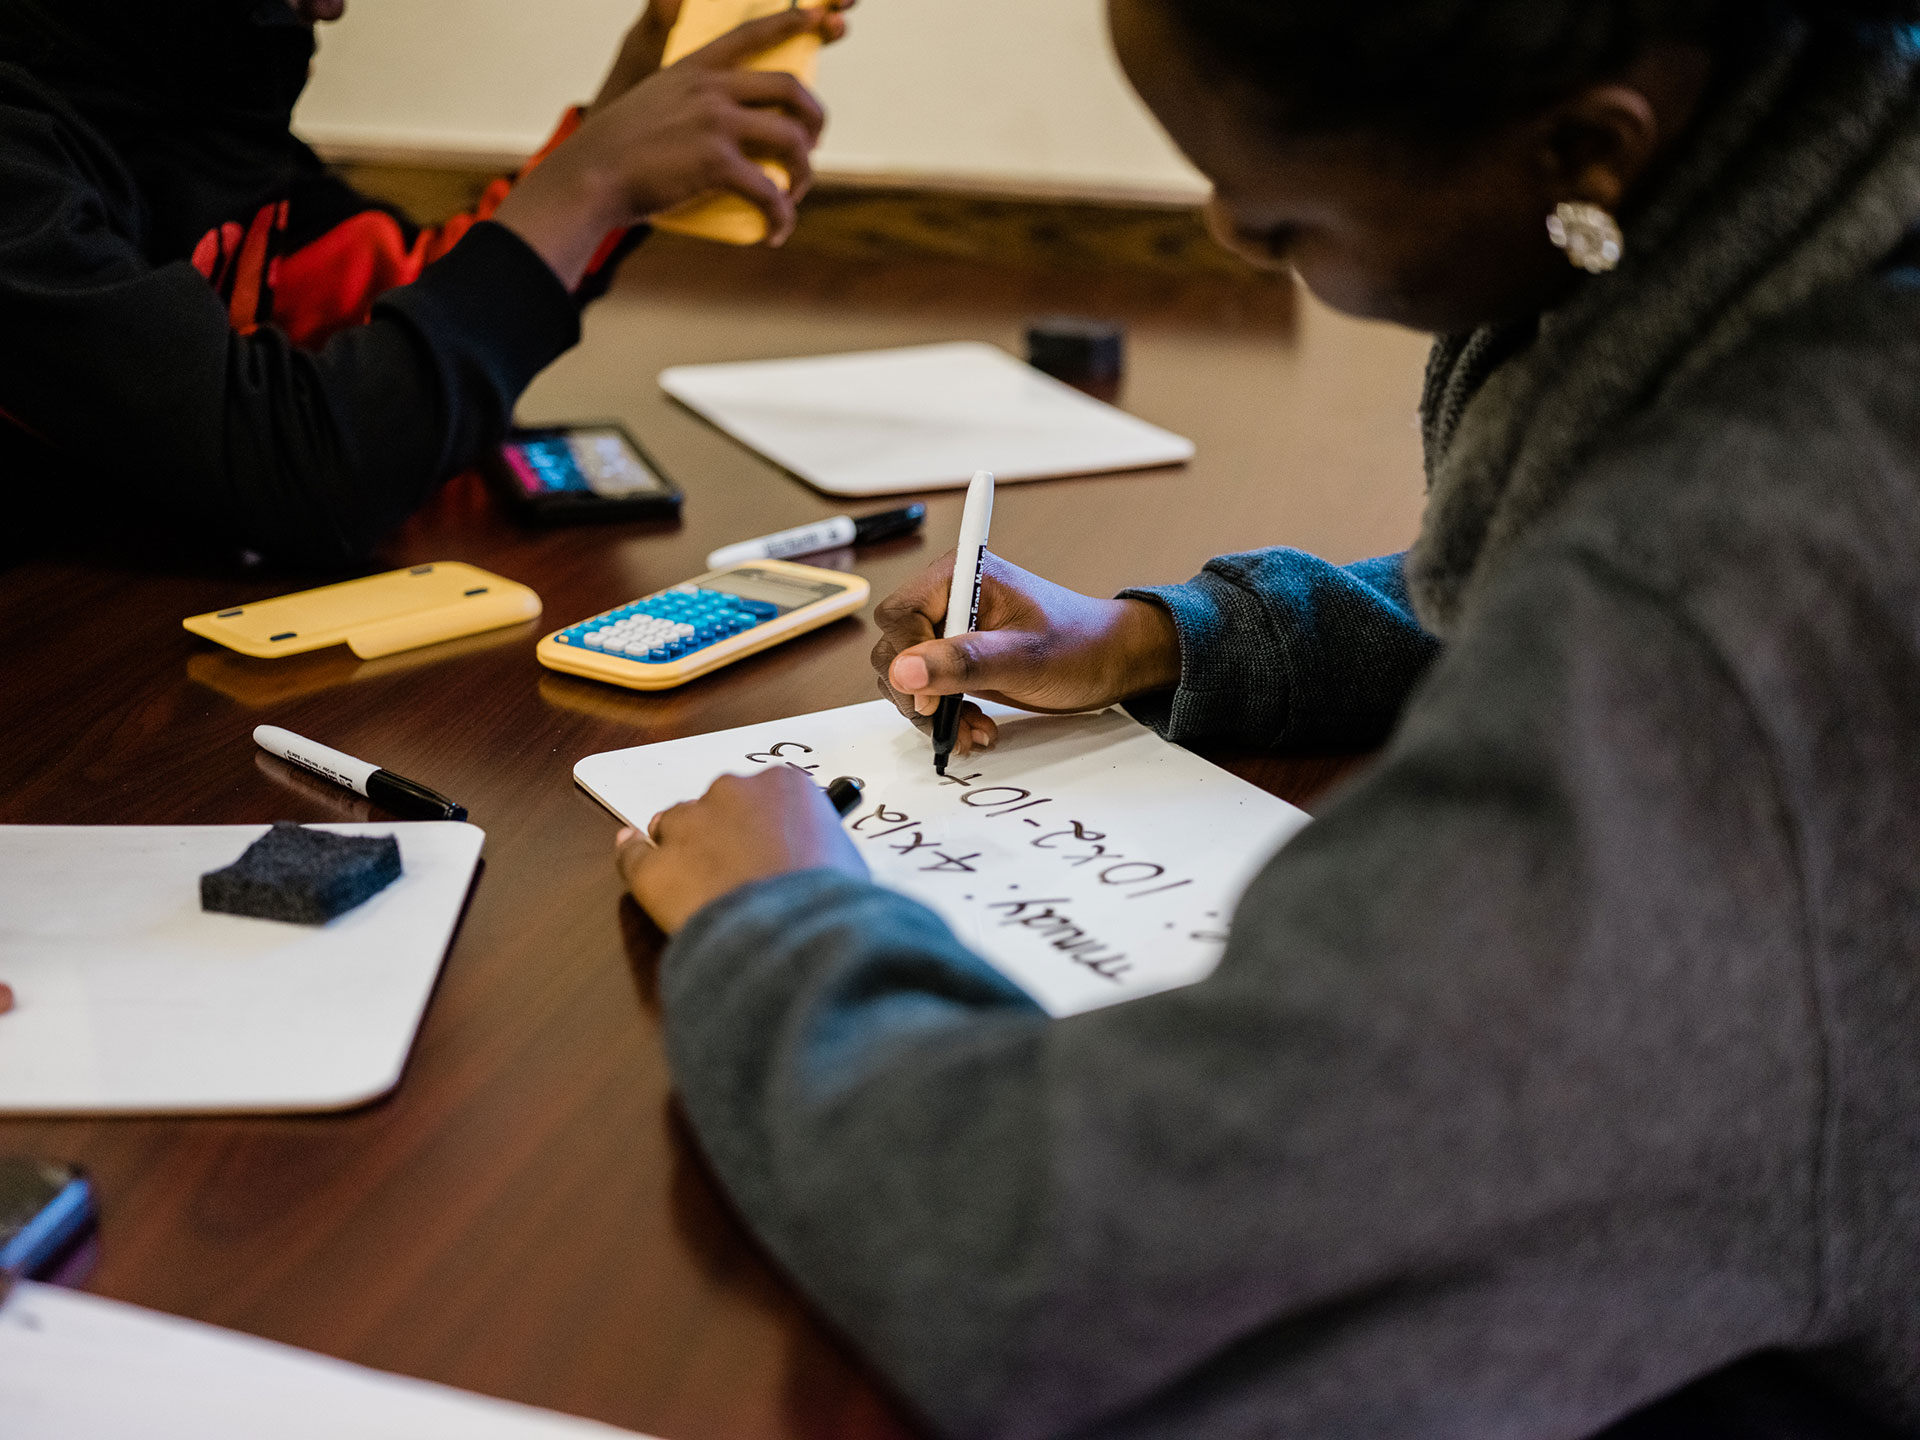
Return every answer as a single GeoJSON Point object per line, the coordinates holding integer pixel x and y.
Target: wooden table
{"type": "Point", "coordinates": [522, 1216]}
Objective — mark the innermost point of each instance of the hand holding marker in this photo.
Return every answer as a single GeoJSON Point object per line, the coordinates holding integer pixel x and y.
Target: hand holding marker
{"type": "Point", "coordinates": [963, 603]}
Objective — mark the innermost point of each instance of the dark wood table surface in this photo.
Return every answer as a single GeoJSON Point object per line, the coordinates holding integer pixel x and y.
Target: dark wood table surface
{"type": "Point", "coordinates": [522, 1216]}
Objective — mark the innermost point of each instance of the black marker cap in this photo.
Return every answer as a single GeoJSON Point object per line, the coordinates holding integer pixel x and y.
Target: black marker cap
{"type": "Point", "coordinates": [409, 799]}
{"type": "Point", "coordinates": [845, 795]}
{"type": "Point", "coordinates": [888, 524]}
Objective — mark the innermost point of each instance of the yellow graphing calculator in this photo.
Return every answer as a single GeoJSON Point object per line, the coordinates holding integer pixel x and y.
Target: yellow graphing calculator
{"type": "Point", "coordinates": [678, 635]}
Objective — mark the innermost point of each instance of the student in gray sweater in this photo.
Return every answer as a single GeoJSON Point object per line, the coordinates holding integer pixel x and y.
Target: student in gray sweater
{"type": "Point", "coordinates": [1574, 1053]}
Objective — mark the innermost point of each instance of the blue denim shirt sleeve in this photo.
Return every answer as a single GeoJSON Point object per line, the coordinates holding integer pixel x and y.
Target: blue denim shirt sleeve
{"type": "Point", "coordinates": [1281, 649]}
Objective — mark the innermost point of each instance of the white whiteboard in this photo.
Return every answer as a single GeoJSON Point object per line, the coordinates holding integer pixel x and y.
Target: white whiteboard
{"type": "Point", "coordinates": [131, 998]}
{"type": "Point", "coordinates": [1086, 858]}
{"type": "Point", "coordinates": [925, 417]}
{"type": "Point", "coordinates": [81, 1367]}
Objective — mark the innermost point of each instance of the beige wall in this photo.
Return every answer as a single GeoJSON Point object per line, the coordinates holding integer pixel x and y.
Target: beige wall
{"type": "Point", "coordinates": [1020, 96]}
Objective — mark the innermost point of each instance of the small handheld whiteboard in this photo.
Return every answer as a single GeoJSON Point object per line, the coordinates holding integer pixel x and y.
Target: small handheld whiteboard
{"type": "Point", "coordinates": [131, 999]}
{"type": "Point", "coordinates": [1083, 856]}
{"type": "Point", "coordinates": [885, 422]}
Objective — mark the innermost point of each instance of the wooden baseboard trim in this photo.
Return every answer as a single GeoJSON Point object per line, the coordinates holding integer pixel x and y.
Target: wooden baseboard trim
{"type": "Point", "coordinates": [976, 185]}
{"type": "Point", "coordinates": [873, 217]}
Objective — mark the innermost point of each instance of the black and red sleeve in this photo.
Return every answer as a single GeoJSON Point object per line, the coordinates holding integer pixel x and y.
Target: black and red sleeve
{"type": "Point", "coordinates": [133, 376]}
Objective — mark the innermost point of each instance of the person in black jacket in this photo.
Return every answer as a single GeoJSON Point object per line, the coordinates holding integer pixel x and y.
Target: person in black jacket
{"type": "Point", "coordinates": [212, 345]}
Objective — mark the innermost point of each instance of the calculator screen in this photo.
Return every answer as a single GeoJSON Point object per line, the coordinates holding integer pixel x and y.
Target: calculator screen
{"type": "Point", "coordinates": [786, 591]}
{"type": "Point", "coordinates": [587, 461]}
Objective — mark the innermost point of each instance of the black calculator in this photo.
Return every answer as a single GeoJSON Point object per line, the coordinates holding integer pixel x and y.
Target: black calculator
{"type": "Point", "coordinates": [576, 473]}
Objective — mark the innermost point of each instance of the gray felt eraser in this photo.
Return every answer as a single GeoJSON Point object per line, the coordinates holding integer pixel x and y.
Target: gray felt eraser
{"type": "Point", "coordinates": [303, 876]}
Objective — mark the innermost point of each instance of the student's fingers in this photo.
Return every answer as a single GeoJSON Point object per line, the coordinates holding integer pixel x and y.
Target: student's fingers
{"type": "Point", "coordinates": [902, 701]}
{"type": "Point", "coordinates": [660, 15]}
{"type": "Point", "coordinates": [910, 616]}
{"type": "Point", "coordinates": [754, 38]}
{"type": "Point", "coordinates": [767, 134]}
{"type": "Point", "coordinates": [6, 999]}
{"type": "Point", "coordinates": [775, 89]}
{"type": "Point", "coordinates": [757, 188]}
{"type": "Point", "coordinates": [647, 41]}
{"type": "Point", "coordinates": [1007, 661]}
{"type": "Point", "coordinates": [975, 732]}
{"type": "Point", "coordinates": [914, 613]}
{"type": "Point", "coordinates": [663, 824]}
{"type": "Point", "coordinates": [631, 853]}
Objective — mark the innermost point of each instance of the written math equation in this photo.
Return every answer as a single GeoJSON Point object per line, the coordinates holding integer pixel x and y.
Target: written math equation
{"type": "Point", "coordinates": [1070, 843]}
{"type": "Point", "coordinates": [1084, 857]}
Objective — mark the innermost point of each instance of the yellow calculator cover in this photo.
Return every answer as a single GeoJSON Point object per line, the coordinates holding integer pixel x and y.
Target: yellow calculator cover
{"type": "Point", "coordinates": [374, 616]}
{"type": "Point", "coordinates": [725, 216]}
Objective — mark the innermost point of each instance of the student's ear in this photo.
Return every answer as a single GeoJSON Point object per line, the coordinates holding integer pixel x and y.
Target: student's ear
{"type": "Point", "coordinates": [1597, 144]}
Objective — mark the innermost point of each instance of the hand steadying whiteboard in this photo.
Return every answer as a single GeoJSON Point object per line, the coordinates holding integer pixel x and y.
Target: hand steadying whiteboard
{"type": "Point", "coordinates": [1086, 858]}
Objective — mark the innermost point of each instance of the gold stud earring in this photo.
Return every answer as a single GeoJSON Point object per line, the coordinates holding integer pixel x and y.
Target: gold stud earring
{"type": "Point", "coordinates": [1590, 236]}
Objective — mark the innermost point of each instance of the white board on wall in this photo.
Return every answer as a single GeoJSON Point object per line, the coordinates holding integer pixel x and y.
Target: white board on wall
{"type": "Point", "coordinates": [1022, 96]}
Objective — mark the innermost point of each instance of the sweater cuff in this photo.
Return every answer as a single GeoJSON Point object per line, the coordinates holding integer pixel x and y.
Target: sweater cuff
{"type": "Point", "coordinates": [756, 915]}
{"type": "Point", "coordinates": [493, 302]}
{"type": "Point", "coordinates": [1216, 695]}
{"type": "Point", "coordinates": [806, 915]}
{"type": "Point", "coordinates": [829, 970]}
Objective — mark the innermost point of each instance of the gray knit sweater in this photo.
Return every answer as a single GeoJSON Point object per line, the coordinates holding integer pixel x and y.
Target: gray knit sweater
{"type": "Point", "coordinates": [1572, 1054]}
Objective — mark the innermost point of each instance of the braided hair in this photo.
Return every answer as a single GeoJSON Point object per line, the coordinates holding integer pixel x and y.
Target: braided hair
{"type": "Point", "coordinates": [1446, 65]}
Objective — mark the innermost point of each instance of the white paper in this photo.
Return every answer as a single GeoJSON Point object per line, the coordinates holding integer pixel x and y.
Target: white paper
{"type": "Point", "coordinates": [1084, 856]}
{"type": "Point", "coordinates": [79, 1367]}
{"type": "Point", "coordinates": [130, 998]}
{"type": "Point", "coordinates": [884, 422]}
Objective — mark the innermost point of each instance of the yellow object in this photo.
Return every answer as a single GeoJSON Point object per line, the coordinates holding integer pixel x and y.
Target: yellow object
{"type": "Point", "coordinates": [724, 215]}
{"type": "Point", "coordinates": [379, 615]}
{"type": "Point", "coordinates": [805, 597]}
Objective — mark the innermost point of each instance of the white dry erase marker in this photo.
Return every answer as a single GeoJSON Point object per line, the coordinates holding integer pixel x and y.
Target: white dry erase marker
{"type": "Point", "coordinates": [823, 535]}
{"type": "Point", "coordinates": [963, 602]}
{"type": "Point", "coordinates": [407, 798]}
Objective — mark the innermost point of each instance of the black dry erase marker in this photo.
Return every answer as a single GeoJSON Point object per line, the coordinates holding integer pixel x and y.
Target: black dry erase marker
{"type": "Point", "coordinates": [406, 798]}
{"type": "Point", "coordinates": [845, 795]}
{"type": "Point", "coordinates": [822, 535]}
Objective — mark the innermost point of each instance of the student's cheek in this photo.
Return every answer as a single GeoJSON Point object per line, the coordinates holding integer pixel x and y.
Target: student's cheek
{"type": "Point", "coordinates": [1345, 282]}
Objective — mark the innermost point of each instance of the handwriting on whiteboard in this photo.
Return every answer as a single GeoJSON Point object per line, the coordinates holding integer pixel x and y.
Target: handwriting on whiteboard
{"type": "Point", "coordinates": [1071, 842]}
{"type": "Point", "coordinates": [1086, 858]}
